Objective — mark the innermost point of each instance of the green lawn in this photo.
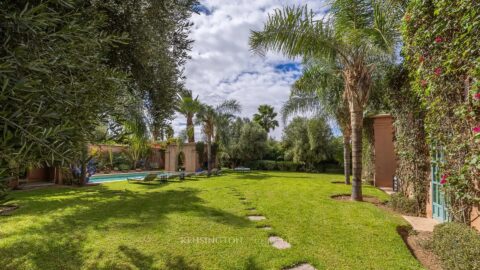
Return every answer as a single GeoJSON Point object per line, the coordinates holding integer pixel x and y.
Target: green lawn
{"type": "Point", "coordinates": [201, 224]}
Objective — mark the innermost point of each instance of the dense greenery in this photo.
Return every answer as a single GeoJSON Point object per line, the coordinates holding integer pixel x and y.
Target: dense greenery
{"type": "Point", "coordinates": [457, 245]}
{"type": "Point", "coordinates": [156, 50]}
{"type": "Point", "coordinates": [441, 52]}
{"type": "Point", "coordinates": [71, 67]}
{"type": "Point", "coordinates": [141, 226]}
{"type": "Point", "coordinates": [309, 141]}
{"type": "Point", "coordinates": [56, 86]}
{"type": "Point", "coordinates": [411, 148]}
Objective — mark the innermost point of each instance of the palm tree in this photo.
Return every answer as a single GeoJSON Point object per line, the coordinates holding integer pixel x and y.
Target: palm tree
{"type": "Point", "coordinates": [211, 119]}
{"type": "Point", "coordinates": [188, 106]}
{"type": "Point", "coordinates": [357, 35]}
{"type": "Point", "coordinates": [320, 90]}
{"type": "Point", "coordinates": [266, 117]}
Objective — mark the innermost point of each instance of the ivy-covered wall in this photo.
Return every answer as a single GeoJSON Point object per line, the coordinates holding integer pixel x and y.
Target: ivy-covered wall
{"type": "Point", "coordinates": [368, 154]}
{"type": "Point", "coordinates": [442, 52]}
{"type": "Point", "coordinates": [411, 148]}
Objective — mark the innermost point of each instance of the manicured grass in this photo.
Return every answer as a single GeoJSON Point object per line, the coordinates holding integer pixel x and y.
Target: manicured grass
{"type": "Point", "coordinates": [201, 225]}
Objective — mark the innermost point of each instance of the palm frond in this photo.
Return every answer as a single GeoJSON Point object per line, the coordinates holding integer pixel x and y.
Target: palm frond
{"type": "Point", "coordinates": [294, 31]}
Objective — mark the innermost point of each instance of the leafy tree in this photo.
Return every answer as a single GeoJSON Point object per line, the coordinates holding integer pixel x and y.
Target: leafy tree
{"type": "Point", "coordinates": [155, 53]}
{"type": "Point", "coordinates": [56, 86]}
{"type": "Point", "coordinates": [188, 106]}
{"type": "Point", "coordinates": [308, 141]}
{"type": "Point", "coordinates": [253, 142]}
{"type": "Point", "coordinates": [266, 117]}
{"type": "Point", "coordinates": [357, 36]}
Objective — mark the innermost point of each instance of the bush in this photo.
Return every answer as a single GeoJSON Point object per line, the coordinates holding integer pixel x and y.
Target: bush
{"type": "Point", "coordinates": [403, 204]}
{"type": "Point", "coordinates": [457, 245]}
{"type": "Point", "coordinates": [124, 167]}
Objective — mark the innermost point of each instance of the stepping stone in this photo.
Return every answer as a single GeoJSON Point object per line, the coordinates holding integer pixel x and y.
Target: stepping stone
{"type": "Point", "coordinates": [266, 228]}
{"type": "Point", "coordinates": [303, 266]}
{"type": "Point", "coordinates": [256, 218]}
{"type": "Point", "coordinates": [278, 242]}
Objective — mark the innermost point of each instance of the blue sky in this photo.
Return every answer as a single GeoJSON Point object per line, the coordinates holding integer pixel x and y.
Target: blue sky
{"type": "Point", "coordinates": [223, 66]}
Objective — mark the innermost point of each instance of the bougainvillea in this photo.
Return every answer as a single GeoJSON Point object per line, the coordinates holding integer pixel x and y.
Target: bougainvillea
{"type": "Point", "coordinates": [442, 41]}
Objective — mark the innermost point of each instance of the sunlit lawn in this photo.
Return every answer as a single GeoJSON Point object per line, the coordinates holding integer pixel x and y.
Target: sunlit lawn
{"type": "Point", "coordinates": [201, 224]}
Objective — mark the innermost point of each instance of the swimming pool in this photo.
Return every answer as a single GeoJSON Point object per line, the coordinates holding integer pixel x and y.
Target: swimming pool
{"type": "Point", "coordinates": [120, 176]}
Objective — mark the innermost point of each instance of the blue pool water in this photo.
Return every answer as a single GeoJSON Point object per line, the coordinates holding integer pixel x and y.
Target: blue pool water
{"type": "Point", "coordinates": [119, 177]}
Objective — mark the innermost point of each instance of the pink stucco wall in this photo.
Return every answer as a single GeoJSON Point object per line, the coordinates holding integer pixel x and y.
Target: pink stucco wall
{"type": "Point", "coordinates": [385, 158]}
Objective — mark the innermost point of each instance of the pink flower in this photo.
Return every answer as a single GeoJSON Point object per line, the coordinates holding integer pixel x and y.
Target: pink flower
{"type": "Point", "coordinates": [421, 58]}
{"type": "Point", "coordinates": [438, 39]}
{"type": "Point", "coordinates": [438, 71]}
{"type": "Point", "coordinates": [476, 96]}
{"type": "Point", "coordinates": [476, 129]}
{"type": "Point", "coordinates": [443, 181]}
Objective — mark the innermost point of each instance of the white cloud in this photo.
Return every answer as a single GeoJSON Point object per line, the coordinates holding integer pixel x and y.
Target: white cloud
{"type": "Point", "coordinates": [222, 65]}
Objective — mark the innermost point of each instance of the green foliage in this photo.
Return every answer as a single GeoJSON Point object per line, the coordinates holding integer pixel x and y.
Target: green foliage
{"type": "Point", "coordinates": [4, 182]}
{"type": "Point", "coordinates": [55, 85]}
{"type": "Point", "coordinates": [404, 205]}
{"type": "Point", "coordinates": [368, 154]}
{"type": "Point", "coordinates": [411, 148]}
{"type": "Point", "coordinates": [274, 150]}
{"type": "Point", "coordinates": [272, 165]}
{"type": "Point", "coordinates": [124, 167]}
{"type": "Point", "coordinates": [309, 141]}
{"type": "Point", "coordinates": [156, 50]}
{"type": "Point", "coordinates": [266, 117]}
{"type": "Point", "coordinates": [253, 142]}
{"type": "Point", "coordinates": [457, 245]}
{"type": "Point", "coordinates": [441, 52]}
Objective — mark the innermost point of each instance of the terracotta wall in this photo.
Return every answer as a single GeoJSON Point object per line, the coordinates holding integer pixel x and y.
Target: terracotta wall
{"type": "Point", "coordinates": [191, 157]}
{"type": "Point", "coordinates": [385, 158]}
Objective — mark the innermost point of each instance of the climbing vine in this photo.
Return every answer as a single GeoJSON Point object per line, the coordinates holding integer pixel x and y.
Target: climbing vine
{"type": "Point", "coordinates": [411, 148]}
{"type": "Point", "coordinates": [442, 52]}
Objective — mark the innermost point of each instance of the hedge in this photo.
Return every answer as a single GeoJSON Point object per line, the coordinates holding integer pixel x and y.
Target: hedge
{"type": "Point", "coordinates": [457, 245]}
{"type": "Point", "coordinates": [289, 166]}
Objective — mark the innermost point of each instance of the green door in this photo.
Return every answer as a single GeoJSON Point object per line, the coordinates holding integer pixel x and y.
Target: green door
{"type": "Point", "coordinates": [439, 210]}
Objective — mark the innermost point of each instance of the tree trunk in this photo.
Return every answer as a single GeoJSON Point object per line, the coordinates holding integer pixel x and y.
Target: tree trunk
{"type": "Point", "coordinates": [209, 156]}
{"type": "Point", "coordinates": [190, 129]}
{"type": "Point", "coordinates": [357, 125]}
{"type": "Point", "coordinates": [83, 173]}
{"type": "Point", "coordinates": [347, 156]}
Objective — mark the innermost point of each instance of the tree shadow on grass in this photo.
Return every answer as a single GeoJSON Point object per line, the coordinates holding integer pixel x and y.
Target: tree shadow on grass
{"type": "Point", "coordinates": [58, 242]}
{"type": "Point", "coordinates": [266, 175]}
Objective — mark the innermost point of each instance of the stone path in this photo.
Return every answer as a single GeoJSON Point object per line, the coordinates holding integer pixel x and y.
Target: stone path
{"type": "Point", "coordinates": [421, 224]}
{"type": "Point", "coordinates": [278, 242]}
{"type": "Point", "coordinates": [256, 218]}
{"type": "Point", "coordinates": [303, 266]}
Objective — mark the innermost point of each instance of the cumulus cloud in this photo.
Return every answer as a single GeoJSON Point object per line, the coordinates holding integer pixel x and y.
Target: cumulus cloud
{"type": "Point", "coordinates": [222, 65]}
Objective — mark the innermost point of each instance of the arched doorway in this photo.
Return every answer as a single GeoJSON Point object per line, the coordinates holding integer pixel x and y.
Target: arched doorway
{"type": "Point", "coordinates": [181, 161]}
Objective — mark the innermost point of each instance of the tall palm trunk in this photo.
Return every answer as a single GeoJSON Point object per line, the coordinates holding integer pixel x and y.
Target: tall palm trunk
{"type": "Point", "coordinates": [209, 155]}
{"type": "Point", "coordinates": [357, 127]}
{"type": "Point", "coordinates": [190, 129]}
{"type": "Point", "coordinates": [347, 155]}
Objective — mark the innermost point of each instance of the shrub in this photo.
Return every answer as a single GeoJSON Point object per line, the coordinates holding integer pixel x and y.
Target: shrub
{"type": "Point", "coordinates": [124, 167]}
{"type": "Point", "coordinates": [403, 204]}
{"type": "Point", "coordinates": [457, 245]}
